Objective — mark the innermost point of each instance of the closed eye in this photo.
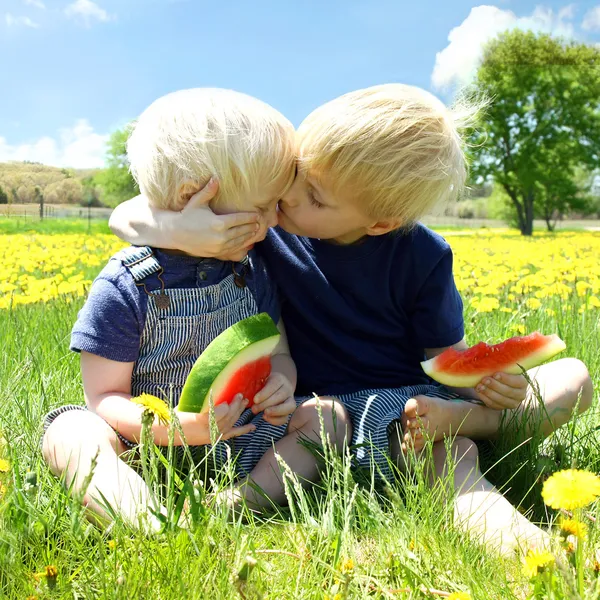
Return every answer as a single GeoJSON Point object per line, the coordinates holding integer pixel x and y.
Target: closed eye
{"type": "Point", "coordinates": [312, 199]}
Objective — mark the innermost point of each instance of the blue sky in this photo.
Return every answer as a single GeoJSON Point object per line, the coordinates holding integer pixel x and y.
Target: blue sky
{"type": "Point", "coordinates": [74, 70]}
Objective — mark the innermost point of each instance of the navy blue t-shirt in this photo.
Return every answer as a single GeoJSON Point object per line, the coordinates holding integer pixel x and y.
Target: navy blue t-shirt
{"type": "Point", "coordinates": [360, 316]}
{"type": "Point", "coordinates": [112, 320]}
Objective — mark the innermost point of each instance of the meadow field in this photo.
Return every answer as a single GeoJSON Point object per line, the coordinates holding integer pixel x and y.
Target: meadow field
{"type": "Point", "coordinates": [343, 539]}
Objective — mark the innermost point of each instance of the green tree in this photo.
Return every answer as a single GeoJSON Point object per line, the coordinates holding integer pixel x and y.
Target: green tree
{"type": "Point", "coordinates": [116, 182]}
{"type": "Point", "coordinates": [542, 122]}
{"type": "Point", "coordinates": [3, 196]}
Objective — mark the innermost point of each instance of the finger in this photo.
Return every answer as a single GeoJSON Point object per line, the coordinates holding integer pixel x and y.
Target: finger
{"type": "Point", "coordinates": [235, 411]}
{"type": "Point", "coordinates": [495, 400]}
{"type": "Point", "coordinates": [230, 411]}
{"type": "Point", "coordinates": [204, 196]}
{"type": "Point", "coordinates": [514, 381]}
{"type": "Point", "coordinates": [221, 412]}
{"type": "Point", "coordinates": [276, 421]}
{"type": "Point", "coordinates": [287, 407]}
{"type": "Point", "coordinates": [487, 402]}
{"type": "Point", "coordinates": [242, 232]}
{"type": "Point", "coordinates": [273, 385]}
{"type": "Point", "coordinates": [235, 220]}
{"type": "Point", "coordinates": [279, 397]}
{"type": "Point", "coordinates": [241, 244]}
{"type": "Point", "coordinates": [517, 394]}
{"type": "Point", "coordinates": [237, 431]}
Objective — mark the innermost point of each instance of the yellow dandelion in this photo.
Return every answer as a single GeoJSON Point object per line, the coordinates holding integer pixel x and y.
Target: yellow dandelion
{"type": "Point", "coordinates": [570, 489]}
{"type": "Point", "coordinates": [112, 544]}
{"type": "Point", "coordinates": [50, 572]}
{"type": "Point", "coordinates": [4, 466]}
{"type": "Point", "coordinates": [459, 596]}
{"type": "Point", "coordinates": [155, 406]}
{"type": "Point", "coordinates": [347, 566]}
{"type": "Point", "coordinates": [573, 527]}
{"type": "Point", "coordinates": [536, 561]}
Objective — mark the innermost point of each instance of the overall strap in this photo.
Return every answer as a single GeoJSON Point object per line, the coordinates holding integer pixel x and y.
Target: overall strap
{"type": "Point", "coordinates": [140, 262]}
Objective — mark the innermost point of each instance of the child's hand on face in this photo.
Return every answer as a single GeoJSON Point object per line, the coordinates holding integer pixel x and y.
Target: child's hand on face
{"type": "Point", "coordinates": [276, 399]}
{"type": "Point", "coordinates": [502, 391]}
{"type": "Point", "coordinates": [196, 426]}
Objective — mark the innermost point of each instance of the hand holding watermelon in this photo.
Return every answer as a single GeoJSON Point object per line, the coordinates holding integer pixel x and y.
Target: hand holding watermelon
{"type": "Point", "coordinates": [494, 371]}
{"type": "Point", "coordinates": [502, 390]}
{"type": "Point", "coordinates": [196, 426]}
{"type": "Point", "coordinates": [276, 399]}
{"type": "Point", "coordinates": [237, 361]}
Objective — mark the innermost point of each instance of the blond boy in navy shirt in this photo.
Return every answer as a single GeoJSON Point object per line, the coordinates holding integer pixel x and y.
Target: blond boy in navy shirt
{"type": "Point", "coordinates": [368, 292]}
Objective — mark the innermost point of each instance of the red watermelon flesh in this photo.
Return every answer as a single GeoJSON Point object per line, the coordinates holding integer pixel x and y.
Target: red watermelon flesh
{"type": "Point", "coordinates": [237, 361]}
{"type": "Point", "coordinates": [247, 380]}
{"type": "Point", "coordinates": [469, 367]}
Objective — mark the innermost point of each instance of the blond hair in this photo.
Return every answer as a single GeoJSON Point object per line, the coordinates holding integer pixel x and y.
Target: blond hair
{"type": "Point", "coordinates": [395, 149]}
{"type": "Point", "coordinates": [183, 139]}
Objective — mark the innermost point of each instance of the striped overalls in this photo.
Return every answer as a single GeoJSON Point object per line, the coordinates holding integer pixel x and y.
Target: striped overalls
{"type": "Point", "coordinates": [180, 323]}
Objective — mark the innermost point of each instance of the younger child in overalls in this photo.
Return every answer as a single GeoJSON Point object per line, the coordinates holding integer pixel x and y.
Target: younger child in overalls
{"type": "Point", "coordinates": [152, 312]}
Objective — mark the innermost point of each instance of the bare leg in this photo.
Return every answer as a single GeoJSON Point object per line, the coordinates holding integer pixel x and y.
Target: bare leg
{"type": "Point", "coordinates": [303, 424]}
{"type": "Point", "coordinates": [561, 383]}
{"type": "Point", "coordinates": [479, 508]}
{"type": "Point", "coordinates": [72, 444]}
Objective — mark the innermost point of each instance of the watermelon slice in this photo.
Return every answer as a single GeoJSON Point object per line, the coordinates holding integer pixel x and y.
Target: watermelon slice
{"type": "Point", "coordinates": [468, 367]}
{"type": "Point", "coordinates": [238, 361]}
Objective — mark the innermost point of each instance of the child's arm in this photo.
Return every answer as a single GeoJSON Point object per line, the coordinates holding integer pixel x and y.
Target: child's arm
{"type": "Point", "coordinates": [276, 399]}
{"type": "Point", "coordinates": [107, 390]}
{"type": "Point", "coordinates": [500, 391]}
{"type": "Point", "coordinates": [195, 230]}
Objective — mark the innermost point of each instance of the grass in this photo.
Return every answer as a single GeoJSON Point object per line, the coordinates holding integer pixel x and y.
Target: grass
{"type": "Point", "coordinates": [397, 538]}
{"type": "Point", "coordinates": [11, 225]}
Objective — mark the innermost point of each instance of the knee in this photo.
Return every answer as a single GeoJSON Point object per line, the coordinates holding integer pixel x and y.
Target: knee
{"type": "Point", "coordinates": [464, 449]}
{"type": "Point", "coordinates": [581, 383]}
{"type": "Point", "coordinates": [75, 436]}
{"type": "Point", "coordinates": [330, 416]}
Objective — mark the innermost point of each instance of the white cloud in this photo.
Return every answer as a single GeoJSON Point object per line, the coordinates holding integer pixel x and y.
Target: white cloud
{"type": "Point", "coordinates": [14, 21]}
{"type": "Point", "coordinates": [36, 3]}
{"type": "Point", "coordinates": [87, 11]}
{"type": "Point", "coordinates": [591, 20]}
{"type": "Point", "coordinates": [458, 61]}
{"type": "Point", "coordinates": [78, 147]}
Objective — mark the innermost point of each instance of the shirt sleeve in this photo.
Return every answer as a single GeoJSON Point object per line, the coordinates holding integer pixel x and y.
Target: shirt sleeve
{"type": "Point", "coordinates": [264, 288]}
{"type": "Point", "coordinates": [111, 322]}
{"type": "Point", "coordinates": [437, 319]}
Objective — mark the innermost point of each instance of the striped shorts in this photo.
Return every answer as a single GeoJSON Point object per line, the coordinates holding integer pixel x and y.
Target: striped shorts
{"type": "Point", "coordinates": [245, 450]}
{"type": "Point", "coordinates": [373, 413]}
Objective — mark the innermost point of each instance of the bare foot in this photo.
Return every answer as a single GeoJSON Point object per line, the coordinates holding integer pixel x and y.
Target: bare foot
{"type": "Point", "coordinates": [428, 418]}
{"type": "Point", "coordinates": [494, 522]}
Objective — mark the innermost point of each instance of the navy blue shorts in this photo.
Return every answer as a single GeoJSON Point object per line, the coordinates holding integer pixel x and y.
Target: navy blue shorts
{"type": "Point", "coordinates": [373, 413]}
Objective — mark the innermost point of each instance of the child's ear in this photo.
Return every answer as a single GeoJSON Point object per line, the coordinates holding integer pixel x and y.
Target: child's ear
{"type": "Point", "coordinates": [383, 227]}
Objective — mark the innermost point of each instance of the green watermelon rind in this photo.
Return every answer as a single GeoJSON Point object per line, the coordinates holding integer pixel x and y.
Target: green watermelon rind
{"type": "Point", "coordinates": [551, 348]}
{"type": "Point", "coordinates": [244, 342]}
